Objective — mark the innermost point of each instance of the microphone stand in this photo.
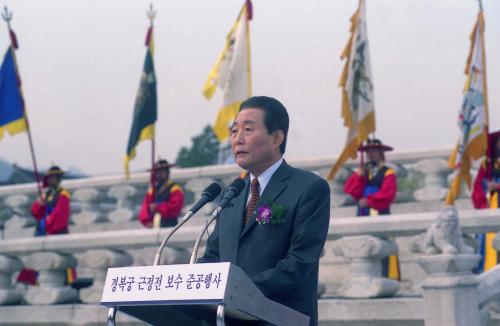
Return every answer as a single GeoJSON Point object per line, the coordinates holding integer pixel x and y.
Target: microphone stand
{"type": "Point", "coordinates": [183, 221]}
{"type": "Point", "coordinates": [213, 217]}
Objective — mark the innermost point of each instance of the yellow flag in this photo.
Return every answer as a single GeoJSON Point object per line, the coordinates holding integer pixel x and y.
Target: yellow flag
{"type": "Point", "coordinates": [473, 116]}
{"type": "Point", "coordinates": [358, 109]}
{"type": "Point", "coordinates": [231, 73]}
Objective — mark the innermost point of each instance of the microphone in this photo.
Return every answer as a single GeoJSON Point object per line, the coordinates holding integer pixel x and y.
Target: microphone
{"type": "Point", "coordinates": [209, 194]}
{"type": "Point", "coordinates": [232, 191]}
{"type": "Point", "coordinates": [229, 193]}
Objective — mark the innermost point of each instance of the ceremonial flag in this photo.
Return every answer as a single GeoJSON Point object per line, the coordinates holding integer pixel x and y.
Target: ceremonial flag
{"type": "Point", "coordinates": [231, 73]}
{"type": "Point", "coordinates": [145, 110]}
{"type": "Point", "coordinates": [358, 110]}
{"type": "Point", "coordinates": [473, 116]}
{"type": "Point", "coordinates": [12, 116]}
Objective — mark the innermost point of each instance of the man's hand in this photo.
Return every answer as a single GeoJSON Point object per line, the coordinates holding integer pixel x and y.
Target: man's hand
{"type": "Point", "coordinates": [152, 207]}
{"type": "Point", "coordinates": [360, 171]}
{"type": "Point", "coordinates": [492, 186]}
{"type": "Point", "coordinates": [42, 200]}
{"type": "Point", "coordinates": [363, 203]}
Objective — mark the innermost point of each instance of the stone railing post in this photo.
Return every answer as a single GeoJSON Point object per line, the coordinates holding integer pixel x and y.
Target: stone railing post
{"type": "Point", "coordinates": [8, 266]}
{"type": "Point", "coordinates": [365, 255]}
{"type": "Point", "coordinates": [19, 205]}
{"type": "Point", "coordinates": [89, 199]}
{"type": "Point", "coordinates": [99, 261]}
{"type": "Point", "coordinates": [52, 274]}
{"type": "Point", "coordinates": [435, 182]}
{"type": "Point", "coordinates": [124, 196]}
{"type": "Point", "coordinates": [450, 290]}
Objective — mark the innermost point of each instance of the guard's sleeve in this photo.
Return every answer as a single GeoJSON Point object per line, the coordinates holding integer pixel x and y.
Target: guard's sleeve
{"type": "Point", "coordinates": [307, 240]}
{"type": "Point", "coordinates": [38, 210]}
{"type": "Point", "coordinates": [172, 208]}
{"type": "Point", "coordinates": [478, 194]}
{"type": "Point", "coordinates": [57, 221]}
{"type": "Point", "coordinates": [144, 215]}
{"type": "Point", "coordinates": [355, 185]}
{"type": "Point", "coordinates": [383, 198]}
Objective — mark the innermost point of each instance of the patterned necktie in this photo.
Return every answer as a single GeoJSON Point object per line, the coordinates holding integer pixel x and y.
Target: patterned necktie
{"type": "Point", "coordinates": [252, 204]}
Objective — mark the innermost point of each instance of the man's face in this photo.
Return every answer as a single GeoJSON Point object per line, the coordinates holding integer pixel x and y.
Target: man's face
{"type": "Point", "coordinates": [253, 147]}
{"type": "Point", "coordinates": [374, 155]}
{"type": "Point", "coordinates": [54, 181]}
{"type": "Point", "coordinates": [162, 175]}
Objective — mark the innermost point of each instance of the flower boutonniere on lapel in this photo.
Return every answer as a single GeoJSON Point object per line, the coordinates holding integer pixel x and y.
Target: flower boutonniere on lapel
{"type": "Point", "coordinates": [271, 213]}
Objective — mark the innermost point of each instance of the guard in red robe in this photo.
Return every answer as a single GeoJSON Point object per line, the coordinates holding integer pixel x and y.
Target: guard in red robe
{"type": "Point", "coordinates": [374, 188]}
{"type": "Point", "coordinates": [51, 211]}
{"type": "Point", "coordinates": [162, 207]}
{"type": "Point", "coordinates": [485, 194]}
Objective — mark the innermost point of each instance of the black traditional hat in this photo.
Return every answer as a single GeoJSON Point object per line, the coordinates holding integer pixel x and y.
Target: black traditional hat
{"type": "Point", "coordinates": [374, 144]}
{"type": "Point", "coordinates": [54, 170]}
{"type": "Point", "coordinates": [163, 165]}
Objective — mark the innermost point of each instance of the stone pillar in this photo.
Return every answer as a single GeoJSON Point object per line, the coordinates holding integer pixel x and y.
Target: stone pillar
{"type": "Point", "coordinates": [99, 261]}
{"type": "Point", "coordinates": [450, 290]}
{"type": "Point", "coordinates": [52, 273]}
{"type": "Point", "coordinates": [435, 182]}
{"type": "Point", "coordinates": [333, 270]}
{"type": "Point", "coordinates": [124, 196]}
{"type": "Point", "coordinates": [365, 254]}
{"type": "Point", "coordinates": [88, 199]}
{"type": "Point", "coordinates": [8, 266]}
{"type": "Point", "coordinates": [21, 215]}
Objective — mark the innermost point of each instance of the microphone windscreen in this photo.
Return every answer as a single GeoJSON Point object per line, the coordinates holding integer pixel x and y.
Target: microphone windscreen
{"type": "Point", "coordinates": [212, 191]}
{"type": "Point", "coordinates": [237, 186]}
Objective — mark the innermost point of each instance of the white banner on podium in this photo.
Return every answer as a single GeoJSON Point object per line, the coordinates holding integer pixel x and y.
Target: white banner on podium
{"type": "Point", "coordinates": [166, 284]}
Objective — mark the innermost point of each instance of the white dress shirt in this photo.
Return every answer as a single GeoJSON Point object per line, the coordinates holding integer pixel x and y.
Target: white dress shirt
{"type": "Point", "coordinates": [264, 178]}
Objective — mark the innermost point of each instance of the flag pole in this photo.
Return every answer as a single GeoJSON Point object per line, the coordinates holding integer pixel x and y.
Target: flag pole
{"type": "Point", "coordinates": [489, 160]}
{"type": "Point", "coordinates": [7, 17]}
{"type": "Point", "coordinates": [151, 14]}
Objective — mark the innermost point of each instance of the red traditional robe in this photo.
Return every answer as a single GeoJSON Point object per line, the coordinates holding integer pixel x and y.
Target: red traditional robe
{"type": "Point", "coordinates": [56, 212]}
{"type": "Point", "coordinates": [482, 198]}
{"type": "Point", "coordinates": [381, 193]}
{"type": "Point", "coordinates": [169, 201]}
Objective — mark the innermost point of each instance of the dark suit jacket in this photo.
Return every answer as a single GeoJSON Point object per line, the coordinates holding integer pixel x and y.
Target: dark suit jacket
{"type": "Point", "coordinates": [283, 259]}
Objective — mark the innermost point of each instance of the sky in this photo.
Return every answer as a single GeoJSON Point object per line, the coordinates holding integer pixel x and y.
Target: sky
{"type": "Point", "coordinates": [81, 60]}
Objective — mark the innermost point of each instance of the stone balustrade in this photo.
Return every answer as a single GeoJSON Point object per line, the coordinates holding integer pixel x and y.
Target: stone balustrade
{"type": "Point", "coordinates": [358, 244]}
{"type": "Point", "coordinates": [112, 202]}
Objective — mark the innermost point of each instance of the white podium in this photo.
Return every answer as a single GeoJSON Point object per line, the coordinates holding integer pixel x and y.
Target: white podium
{"type": "Point", "coordinates": [192, 294]}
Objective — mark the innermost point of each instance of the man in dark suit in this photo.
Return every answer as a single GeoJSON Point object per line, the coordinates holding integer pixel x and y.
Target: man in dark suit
{"type": "Point", "coordinates": [277, 227]}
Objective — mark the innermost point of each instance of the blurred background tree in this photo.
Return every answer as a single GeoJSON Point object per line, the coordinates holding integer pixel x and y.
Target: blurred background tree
{"type": "Point", "coordinates": [203, 151]}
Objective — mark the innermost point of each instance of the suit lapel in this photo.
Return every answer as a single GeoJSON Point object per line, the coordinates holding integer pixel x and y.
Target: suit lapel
{"type": "Point", "coordinates": [235, 221]}
{"type": "Point", "coordinates": [274, 188]}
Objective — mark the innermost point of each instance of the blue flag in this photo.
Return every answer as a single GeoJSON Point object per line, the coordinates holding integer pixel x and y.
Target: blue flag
{"type": "Point", "coordinates": [11, 100]}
